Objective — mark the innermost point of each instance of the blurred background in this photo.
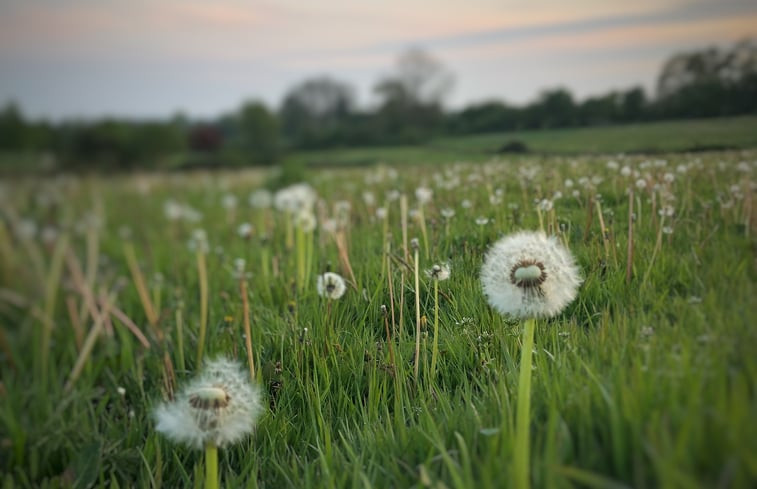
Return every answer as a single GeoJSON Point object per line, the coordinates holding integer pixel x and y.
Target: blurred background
{"type": "Point", "coordinates": [174, 84]}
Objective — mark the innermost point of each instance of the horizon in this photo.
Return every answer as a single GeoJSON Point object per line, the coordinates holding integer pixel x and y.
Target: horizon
{"type": "Point", "coordinates": [85, 60]}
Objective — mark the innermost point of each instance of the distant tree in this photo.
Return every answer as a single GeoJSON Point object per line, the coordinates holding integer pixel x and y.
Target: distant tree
{"type": "Point", "coordinates": [633, 105]}
{"type": "Point", "coordinates": [486, 117]}
{"type": "Point", "coordinates": [205, 138]}
{"type": "Point", "coordinates": [554, 108]}
{"type": "Point", "coordinates": [411, 98]}
{"type": "Point", "coordinates": [315, 110]}
{"type": "Point", "coordinates": [709, 82]}
{"type": "Point", "coordinates": [256, 133]}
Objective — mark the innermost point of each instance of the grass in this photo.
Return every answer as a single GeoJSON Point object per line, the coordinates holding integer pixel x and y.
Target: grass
{"type": "Point", "coordinates": [652, 137]}
{"type": "Point", "coordinates": [643, 384]}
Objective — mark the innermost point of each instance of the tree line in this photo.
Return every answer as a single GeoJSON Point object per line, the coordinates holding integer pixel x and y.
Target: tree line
{"type": "Point", "coordinates": [321, 113]}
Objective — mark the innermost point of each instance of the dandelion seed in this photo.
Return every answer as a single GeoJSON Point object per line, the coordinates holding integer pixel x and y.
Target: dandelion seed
{"type": "Point", "coordinates": [667, 230]}
{"type": "Point", "coordinates": [447, 213]}
{"type": "Point", "coordinates": [625, 171]}
{"type": "Point", "coordinates": [641, 184]}
{"type": "Point", "coordinates": [482, 221]}
{"type": "Point", "coordinates": [668, 177]}
{"type": "Point", "coordinates": [381, 213]}
{"type": "Point", "coordinates": [529, 275]}
{"type": "Point", "coordinates": [466, 204]}
{"type": "Point", "coordinates": [218, 408]}
{"type": "Point", "coordinates": [331, 285]}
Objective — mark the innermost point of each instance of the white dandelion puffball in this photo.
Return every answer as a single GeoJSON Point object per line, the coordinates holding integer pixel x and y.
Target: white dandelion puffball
{"type": "Point", "coordinates": [219, 407]}
{"type": "Point", "coordinates": [331, 285]}
{"type": "Point", "coordinates": [528, 274]}
{"type": "Point", "coordinates": [439, 272]}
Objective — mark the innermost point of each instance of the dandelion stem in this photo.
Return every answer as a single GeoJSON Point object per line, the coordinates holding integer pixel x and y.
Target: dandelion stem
{"type": "Point", "coordinates": [416, 363]}
{"type": "Point", "coordinates": [435, 348]}
{"type": "Point", "coordinates": [422, 222]}
{"type": "Point", "coordinates": [203, 277]}
{"type": "Point", "coordinates": [629, 258]}
{"type": "Point", "coordinates": [211, 466]}
{"type": "Point", "coordinates": [247, 329]}
{"type": "Point", "coordinates": [51, 292]}
{"type": "Point", "coordinates": [657, 246]}
{"type": "Point", "coordinates": [139, 283]}
{"type": "Point", "coordinates": [521, 459]}
{"type": "Point", "coordinates": [180, 339]}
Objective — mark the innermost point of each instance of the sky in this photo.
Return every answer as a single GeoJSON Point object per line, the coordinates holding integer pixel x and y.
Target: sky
{"type": "Point", "coordinates": [154, 58]}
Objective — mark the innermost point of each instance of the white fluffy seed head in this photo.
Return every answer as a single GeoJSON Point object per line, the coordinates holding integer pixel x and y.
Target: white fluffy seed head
{"type": "Point", "coordinates": [528, 274]}
{"type": "Point", "coordinates": [219, 407]}
{"type": "Point", "coordinates": [331, 285]}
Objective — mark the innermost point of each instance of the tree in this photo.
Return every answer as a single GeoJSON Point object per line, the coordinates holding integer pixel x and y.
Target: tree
{"type": "Point", "coordinates": [256, 133]}
{"type": "Point", "coordinates": [315, 110]}
{"type": "Point", "coordinates": [410, 107]}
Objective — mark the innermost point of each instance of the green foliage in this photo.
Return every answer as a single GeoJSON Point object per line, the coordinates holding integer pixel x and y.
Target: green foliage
{"type": "Point", "coordinates": [641, 384]}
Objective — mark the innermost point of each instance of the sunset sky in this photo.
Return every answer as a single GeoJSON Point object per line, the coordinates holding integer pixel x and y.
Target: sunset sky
{"type": "Point", "coordinates": [152, 58]}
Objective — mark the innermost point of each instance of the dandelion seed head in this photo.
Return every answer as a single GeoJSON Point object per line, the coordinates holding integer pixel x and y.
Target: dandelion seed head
{"type": "Point", "coordinates": [482, 221]}
{"type": "Point", "coordinates": [439, 272]}
{"type": "Point", "coordinates": [219, 407]}
{"type": "Point", "coordinates": [528, 274]}
{"type": "Point", "coordinates": [424, 195]}
{"type": "Point", "coordinates": [331, 285]}
{"type": "Point", "coordinates": [229, 202]}
{"type": "Point", "coordinates": [260, 199]}
{"type": "Point", "coordinates": [244, 230]}
{"type": "Point", "coordinates": [447, 213]}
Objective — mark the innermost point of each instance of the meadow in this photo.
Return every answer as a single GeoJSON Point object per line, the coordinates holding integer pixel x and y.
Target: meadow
{"type": "Point", "coordinates": [113, 288]}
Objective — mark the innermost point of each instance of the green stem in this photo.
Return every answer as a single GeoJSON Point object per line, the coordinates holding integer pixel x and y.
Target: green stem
{"type": "Point", "coordinates": [521, 459]}
{"type": "Point", "coordinates": [180, 339]}
{"type": "Point", "coordinates": [435, 349]}
{"type": "Point", "coordinates": [211, 466]}
{"type": "Point", "coordinates": [417, 362]}
{"type": "Point", "coordinates": [203, 276]}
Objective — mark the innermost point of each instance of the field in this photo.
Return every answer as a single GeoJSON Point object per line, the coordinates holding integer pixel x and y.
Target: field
{"type": "Point", "coordinates": [647, 138]}
{"type": "Point", "coordinates": [647, 379]}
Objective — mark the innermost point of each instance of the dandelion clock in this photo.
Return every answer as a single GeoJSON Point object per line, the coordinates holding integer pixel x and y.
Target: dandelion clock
{"type": "Point", "coordinates": [528, 275]}
{"type": "Point", "coordinates": [216, 409]}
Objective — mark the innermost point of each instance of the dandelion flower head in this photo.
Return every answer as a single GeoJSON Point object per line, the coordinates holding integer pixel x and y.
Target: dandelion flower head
{"type": "Point", "coordinates": [331, 285]}
{"type": "Point", "coordinates": [528, 274]}
{"type": "Point", "coordinates": [440, 271]}
{"type": "Point", "coordinates": [219, 407]}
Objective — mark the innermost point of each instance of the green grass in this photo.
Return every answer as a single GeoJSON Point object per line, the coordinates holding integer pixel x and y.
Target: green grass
{"type": "Point", "coordinates": [643, 384]}
{"type": "Point", "coordinates": [652, 137]}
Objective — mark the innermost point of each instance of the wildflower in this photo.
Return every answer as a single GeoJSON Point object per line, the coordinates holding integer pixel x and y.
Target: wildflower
{"type": "Point", "coordinates": [482, 221]}
{"type": "Point", "coordinates": [295, 198]}
{"type": "Point", "coordinates": [528, 274]}
{"type": "Point", "coordinates": [625, 171]}
{"type": "Point", "coordinates": [447, 213]}
{"type": "Point", "coordinates": [260, 199]}
{"type": "Point", "coordinates": [381, 213]}
{"type": "Point", "coordinates": [423, 194]}
{"type": "Point", "coordinates": [546, 205]}
{"type": "Point", "coordinates": [229, 201]}
{"type": "Point", "coordinates": [466, 204]}
{"type": "Point", "coordinates": [217, 408]}
{"type": "Point", "coordinates": [439, 272]}
{"type": "Point", "coordinates": [244, 230]}
{"type": "Point", "coordinates": [641, 184]}
{"type": "Point", "coordinates": [306, 221]}
{"type": "Point", "coordinates": [199, 241]}
{"type": "Point", "coordinates": [331, 285]}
